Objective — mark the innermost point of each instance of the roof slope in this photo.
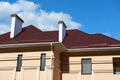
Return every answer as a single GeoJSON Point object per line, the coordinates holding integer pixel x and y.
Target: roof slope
{"type": "Point", "coordinates": [78, 39]}
{"type": "Point", "coordinates": [29, 34]}
{"type": "Point", "coordinates": [74, 38]}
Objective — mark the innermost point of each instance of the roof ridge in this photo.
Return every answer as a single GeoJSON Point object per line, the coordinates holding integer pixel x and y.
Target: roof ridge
{"type": "Point", "coordinates": [32, 27]}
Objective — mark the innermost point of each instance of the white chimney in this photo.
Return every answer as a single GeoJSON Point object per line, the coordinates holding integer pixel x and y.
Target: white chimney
{"type": "Point", "coordinates": [62, 31]}
{"type": "Point", "coordinates": [16, 25]}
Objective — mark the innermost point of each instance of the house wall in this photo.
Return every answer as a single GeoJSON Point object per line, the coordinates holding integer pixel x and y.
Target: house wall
{"type": "Point", "coordinates": [65, 66]}
{"type": "Point", "coordinates": [57, 71]}
{"type": "Point", "coordinates": [102, 66]}
{"type": "Point", "coordinates": [30, 66]}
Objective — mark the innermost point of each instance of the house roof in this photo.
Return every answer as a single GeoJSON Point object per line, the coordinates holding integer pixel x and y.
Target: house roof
{"type": "Point", "coordinates": [73, 39]}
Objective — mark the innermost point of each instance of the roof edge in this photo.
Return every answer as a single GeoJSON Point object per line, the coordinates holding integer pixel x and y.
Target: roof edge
{"type": "Point", "coordinates": [93, 49]}
{"type": "Point", "coordinates": [25, 44]}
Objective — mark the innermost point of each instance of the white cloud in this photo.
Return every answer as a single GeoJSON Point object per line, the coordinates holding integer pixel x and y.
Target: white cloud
{"type": "Point", "coordinates": [31, 13]}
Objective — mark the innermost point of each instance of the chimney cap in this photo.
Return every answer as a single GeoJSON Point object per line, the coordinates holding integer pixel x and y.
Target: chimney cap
{"type": "Point", "coordinates": [62, 22]}
{"type": "Point", "coordinates": [15, 15]}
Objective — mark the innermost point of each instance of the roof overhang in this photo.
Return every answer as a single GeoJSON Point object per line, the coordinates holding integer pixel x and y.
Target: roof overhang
{"type": "Point", "coordinates": [21, 47]}
{"type": "Point", "coordinates": [93, 49]}
{"type": "Point", "coordinates": [59, 46]}
{"type": "Point", "coordinates": [24, 45]}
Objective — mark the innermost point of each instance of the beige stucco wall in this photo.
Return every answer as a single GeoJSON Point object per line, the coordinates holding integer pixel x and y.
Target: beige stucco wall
{"type": "Point", "coordinates": [30, 66]}
{"type": "Point", "coordinates": [102, 67]}
{"type": "Point", "coordinates": [65, 66]}
{"type": "Point", "coordinates": [57, 61]}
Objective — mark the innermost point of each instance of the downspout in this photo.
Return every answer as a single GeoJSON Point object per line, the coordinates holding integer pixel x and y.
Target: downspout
{"type": "Point", "coordinates": [52, 62]}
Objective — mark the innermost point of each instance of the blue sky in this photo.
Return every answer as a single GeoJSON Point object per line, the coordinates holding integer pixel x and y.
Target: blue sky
{"type": "Point", "coordinates": [93, 16]}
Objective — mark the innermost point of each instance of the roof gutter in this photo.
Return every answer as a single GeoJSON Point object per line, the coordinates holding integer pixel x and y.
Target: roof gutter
{"type": "Point", "coordinates": [26, 44]}
{"type": "Point", "coordinates": [68, 50]}
{"type": "Point", "coordinates": [93, 49]}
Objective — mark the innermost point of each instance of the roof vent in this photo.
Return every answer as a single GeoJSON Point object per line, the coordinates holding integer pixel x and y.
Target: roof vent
{"type": "Point", "coordinates": [16, 25]}
{"type": "Point", "coordinates": [62, 31]}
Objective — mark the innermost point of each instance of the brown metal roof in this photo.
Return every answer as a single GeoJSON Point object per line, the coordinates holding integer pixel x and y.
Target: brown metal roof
{"type": "Point", "coordinates": [74, 38]}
